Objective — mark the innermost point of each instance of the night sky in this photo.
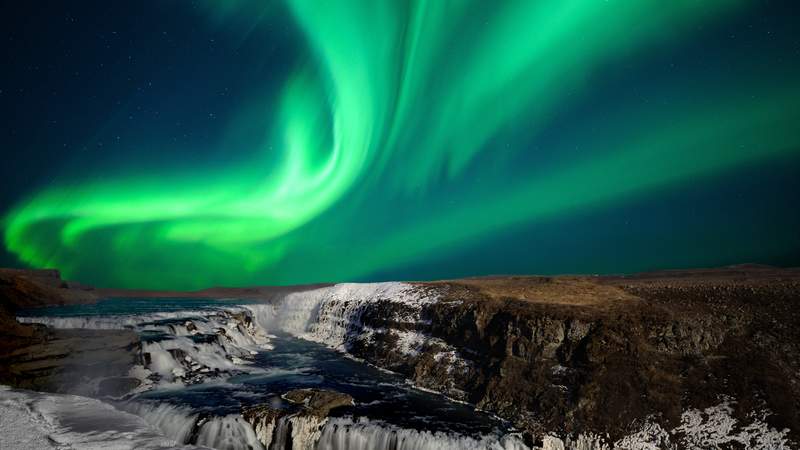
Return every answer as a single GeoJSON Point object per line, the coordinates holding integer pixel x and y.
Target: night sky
{"type": "Point", "coordinates": [179, 144]}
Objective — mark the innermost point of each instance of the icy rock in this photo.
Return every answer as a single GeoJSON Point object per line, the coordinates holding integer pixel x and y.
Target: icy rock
{"type": "Point", "coordinates": [318, 402]}
{"type": "Point", "coordinates": [272, 424]}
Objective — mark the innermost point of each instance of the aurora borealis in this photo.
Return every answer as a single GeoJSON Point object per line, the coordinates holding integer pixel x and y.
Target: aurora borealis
{"type": "Point", "coordinates": [425, 139]}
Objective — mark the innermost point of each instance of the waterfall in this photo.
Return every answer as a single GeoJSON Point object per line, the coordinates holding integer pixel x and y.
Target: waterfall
{"type": "Point", "coordinates": [175, 422]}
{"type": "Point", "coordinates": [44, 420]}
{"type": "Point", "coordinates": [306, 432]}
{"type": "Point", "coordinates": [120, 322]}
{"type": "Point", "coordinates": [332, 315]}
{"type": "Point", "coordinates": [222, 339]}
{"type": "Point", "coordinates": [186, 347]}
{"type": "Point", "coordinates": [230, 432]}
{"type": "Point", "coordinates": [183, 347]}
{"type": "Point", "coordinates": [347, 434]}
{"type": "Point", "coordinates": [179, 348]}
{"type": "Point", "coordinates": [227, 433]}
{"type": "Point", "coordinates": [282, 438]}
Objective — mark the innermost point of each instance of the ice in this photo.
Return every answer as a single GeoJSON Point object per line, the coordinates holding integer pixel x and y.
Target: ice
{"type": "Point", "coordinates": [332, 315]}
{"type": "Point", "coordinates": [230, 432]}
{"type": "Point", "coordinates": [31, 420]}
{"type": "Point", "coordinates": [175, 422]}
{"type": "Point", "coordinates": [199, 343]}
{"type": "Point", "coordinates": [715, 428]}
{"type": "Point", "coordinates": [712, 428]}
{"type": "Point", "coordinates": [195, 346]}
{"type": "Point", "coordinates": [19, 428]}
{"type": "Point", "coordinates": [347, 434]}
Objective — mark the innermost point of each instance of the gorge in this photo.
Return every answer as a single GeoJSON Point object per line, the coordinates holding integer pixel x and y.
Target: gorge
{"type": "Point", "coordinates": [697, 359]}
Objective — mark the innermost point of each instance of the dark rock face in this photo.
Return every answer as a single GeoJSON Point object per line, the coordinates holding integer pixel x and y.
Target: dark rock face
{"type": "Point", "coordinates": [563, 355]}
{"type": "Point", "coordinates": [72, 361]}
{"type": "Point", "coordinates": [575, 355]}
{"type": "Point", "coordinates": [262, 415]}
{"type": "Point", "coordinates": [318, 402]}
{"type": "Point", "coordinates": [64, 361]}
{"type": "Point", "coordinates": [21, 288]}
{"type": "Point", "coordinates": [291, 428]}
{"type": "Point", "coordinates": [29, 289]}
{"type": "Point", "coordinates": [265, 420]}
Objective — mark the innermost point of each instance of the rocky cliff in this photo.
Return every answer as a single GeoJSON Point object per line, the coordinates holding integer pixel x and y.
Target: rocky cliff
{"type": "Point", "coordinates": [89, 362]}
{"type": "Point", "coordinates": [679, 359]}
{"type": "Point", "coordinates": [598, 358]}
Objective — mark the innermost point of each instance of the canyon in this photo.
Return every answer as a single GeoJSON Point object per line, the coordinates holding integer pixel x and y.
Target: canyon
{"type": "Point", "coordinates": [672, 359]}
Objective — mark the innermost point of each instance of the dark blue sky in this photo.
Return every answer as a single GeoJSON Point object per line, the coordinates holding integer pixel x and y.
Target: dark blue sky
{"type": "Point", "coordinates": [94, 90]}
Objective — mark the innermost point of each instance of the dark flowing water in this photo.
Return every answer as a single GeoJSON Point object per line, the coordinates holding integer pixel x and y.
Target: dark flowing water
{"type": "Point", "coordinates": [296, 363]}
{"type": "Point", "coordinates": [382, 399]}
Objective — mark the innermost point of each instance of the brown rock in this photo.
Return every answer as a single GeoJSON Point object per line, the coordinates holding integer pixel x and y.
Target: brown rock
{"type": "Point", "coordinates": [318, 402]}
{"type": "Point", "coordinates": [600, 354]}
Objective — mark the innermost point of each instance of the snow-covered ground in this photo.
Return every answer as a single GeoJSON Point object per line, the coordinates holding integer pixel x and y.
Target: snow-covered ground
{"type": "Point", "coordinates": [37, 421]}
{"type": "Point", "coordinates": [199, 344]}
{"type": "Point", "coordinates": [331, 316]}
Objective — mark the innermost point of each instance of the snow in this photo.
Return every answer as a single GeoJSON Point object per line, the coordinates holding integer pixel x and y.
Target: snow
{"type": "Point", "coordinates": [181, 360]}
{"type": "Point", "coordinates": [31, 420]}
{"type": "Point", "coordinates": [332, 315]}
{"type": "Point", "coordinates": [18, 427]}
{"type": "Point", "coordinates": [411, 342]}
{"type": "Point", "coordinates": [712, 428]}
{"type": "Point", "coordinates": [716, 428]}
{"type": "Point", "coordinates": [651, 437]}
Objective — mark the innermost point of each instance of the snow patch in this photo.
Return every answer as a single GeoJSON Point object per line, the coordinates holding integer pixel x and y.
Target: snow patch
{"type": "Point", "coordinates": [32, 420]}
{"type": "Point", "coordinates": [332, 315]}
{"type": "Point", "coordinates": [182, 347]}
{"type": "Point", "coordinates": [711, 428]}
{"type": "Point", "coordinates": [715, 428]}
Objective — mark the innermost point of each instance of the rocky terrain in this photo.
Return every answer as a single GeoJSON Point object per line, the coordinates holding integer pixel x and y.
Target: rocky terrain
{"type": "Point", "coordinates": [29, 289]}
{"type": "Point", "coordinates": [32, 356]}
{"type": "Point", "coordinates": [273, 425]}
{"type": "Point", "coordinates": [604, 355]}
{"type": "Point", "coordinates": [86, 362]}
{"type": "Point", "coordinates": [676, 359]}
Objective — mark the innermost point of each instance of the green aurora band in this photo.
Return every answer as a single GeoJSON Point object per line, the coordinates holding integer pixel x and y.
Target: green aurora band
{"type": "Point", "coordinates": [385, 142]}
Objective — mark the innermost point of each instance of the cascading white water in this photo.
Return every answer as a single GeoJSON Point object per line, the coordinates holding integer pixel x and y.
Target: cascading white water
{"type": "Point", "coordinates": [329, 315]}
{"type": "Point", "coordinates": [282, 435]}
{"type": "Point", "coordinates": [116, 322]}
{"type": "Point", "coordinates": [332, 315]}
{"type": "Point", "coordinates": [306, 432]}
{"type": "Point", "coordinates": [227, 433]}
{"type": "Point", "coordinates": [175, 422]}
{"type": "Point", "coordinates": [200, 343]}
{"type": "Point", "coordinates": [346, 434]}
{"type": "Point", "coordinates": [182, 344]}
{"type": "Point", "coordinates": [55, 421]}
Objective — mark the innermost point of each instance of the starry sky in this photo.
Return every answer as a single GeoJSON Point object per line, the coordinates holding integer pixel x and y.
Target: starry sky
{"type": "Point", "coordinates": [185, 144]}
